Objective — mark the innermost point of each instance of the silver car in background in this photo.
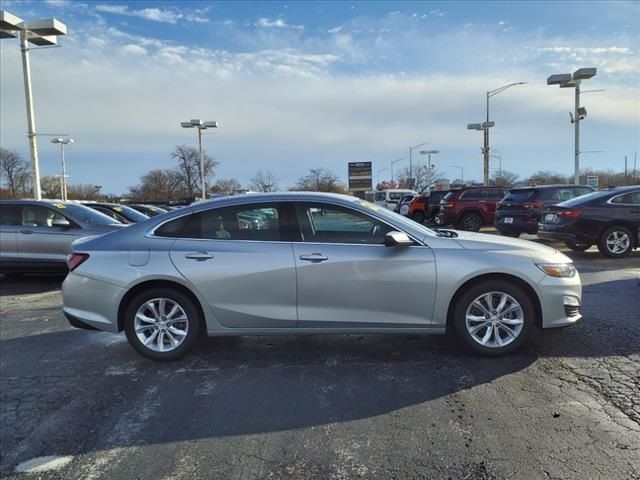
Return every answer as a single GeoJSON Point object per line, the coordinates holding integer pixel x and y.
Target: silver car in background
{"type": "Point", "coordinates": [300, 263]}
{"type": "Point", "coordinates": [36, 235]}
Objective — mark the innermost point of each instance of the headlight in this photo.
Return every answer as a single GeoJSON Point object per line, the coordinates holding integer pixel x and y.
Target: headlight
{"type": "Point", "coordinates": [561, 270]}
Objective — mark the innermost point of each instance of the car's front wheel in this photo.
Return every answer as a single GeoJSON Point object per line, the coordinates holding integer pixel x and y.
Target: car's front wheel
{"type": "Point", "coordinates": [494, 317]}
{"type": "Point", "coordinates": [419, 216]}
{"type": "Point", "coordinates": [162, 324]}
{"type": "Point", "coordinates": [471, 222]}
{"type": "Point", "coordinates": [616, 242]}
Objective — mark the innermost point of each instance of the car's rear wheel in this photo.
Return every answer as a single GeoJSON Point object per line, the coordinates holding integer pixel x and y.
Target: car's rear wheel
{"type": "Point", "coordinates": [471, 222]}
{"type": "Point", "coordinates": [616, 242]}
{"type": "Point", "coordinates": [577, 247]}
{"type": "Point", "coordinates": [493, 318]}
{"type": "Point", "coordinates": [162, 324]}
{"type": "Point", "coordinates": [419, 216]}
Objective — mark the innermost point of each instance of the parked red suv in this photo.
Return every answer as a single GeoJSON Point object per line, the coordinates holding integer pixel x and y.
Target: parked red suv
{"type": "Point", "coordinates": [426, 206]}
{"type": "Point", "coordinates": [470, 208]}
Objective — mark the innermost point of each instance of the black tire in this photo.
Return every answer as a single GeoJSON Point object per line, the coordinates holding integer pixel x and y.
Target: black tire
{"type": "Point", "coordinates": [195, 323]}
{"type": "Point", "coordinates": [464, 301]}
{"type": "Point", "coordinates": [471, 222]}
{"type": "Point", "coordinates": [577, 247]}
{"type": "Point", "coordinates": [611, 231]}
{"type": "Point", "coordinates": [419, 216]}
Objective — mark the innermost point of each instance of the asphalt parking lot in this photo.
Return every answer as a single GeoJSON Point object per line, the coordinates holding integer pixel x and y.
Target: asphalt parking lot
{"type": "Point", "coordinates": [324, 407]}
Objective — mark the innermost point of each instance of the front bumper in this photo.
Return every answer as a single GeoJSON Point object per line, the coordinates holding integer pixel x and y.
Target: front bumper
{"type": "Point", "coordinates": [560, 299]}
{"type": "Point", "coordinates": [91, 302]}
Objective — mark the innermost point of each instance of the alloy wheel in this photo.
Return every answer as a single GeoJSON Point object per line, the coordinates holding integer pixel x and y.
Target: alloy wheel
{"type": "Point", "coordinates": [618, 242]}
{"type": "Point", "coordinates": [494, 319]}
{"type": "Point", "coordinates": [471, 223]}
{"type": "Point", "coordinates": [161, 324]}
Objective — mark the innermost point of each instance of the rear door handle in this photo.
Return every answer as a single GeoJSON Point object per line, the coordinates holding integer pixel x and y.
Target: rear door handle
{"type": "Point", "coordinates": [199, 256]}
{"type": "Point", "coordinates": [26, 232]}
{"type": "Point", "coordinates": [314, 257]}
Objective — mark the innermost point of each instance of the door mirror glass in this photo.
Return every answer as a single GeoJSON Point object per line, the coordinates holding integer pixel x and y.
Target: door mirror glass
{"type": "Point", "coordinates": [397, 239]}
{"type": "Point", "coordinates": [60, 223]}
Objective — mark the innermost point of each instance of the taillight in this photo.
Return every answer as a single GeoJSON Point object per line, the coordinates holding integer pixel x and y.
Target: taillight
{"type": "Point", "coordinates": [569, 213]}
{"type": "Point", "coordinates": [533, 204]}
{"type": "Point", "coordinates": [75, 260]}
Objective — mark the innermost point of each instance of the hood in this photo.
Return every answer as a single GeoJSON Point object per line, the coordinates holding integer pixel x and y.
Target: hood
{"type": "Point", "coordinates": [496, 243]}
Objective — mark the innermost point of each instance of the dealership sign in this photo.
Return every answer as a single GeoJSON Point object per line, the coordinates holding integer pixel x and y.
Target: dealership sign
{"type": "Point", "coordinates": [360, 177]}
{"type": "Point", "coordinates": [592, 181]}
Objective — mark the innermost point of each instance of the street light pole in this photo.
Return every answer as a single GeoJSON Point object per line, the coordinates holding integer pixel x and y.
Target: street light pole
{"type": "Point", "coordinates": [42, 32]}
{"type": "Point", "coordinates": [567, 80]}
{"type": "Point", "coordinates": [461, 172]}
{"type": "Point", "coordinates": [63, 182]}
{"type": "Point", "coordinates": [411, 149]}
{"type": "Point", "coordinates": [395, 161]}
{"type": "Point", "coordinates": [200, 125]}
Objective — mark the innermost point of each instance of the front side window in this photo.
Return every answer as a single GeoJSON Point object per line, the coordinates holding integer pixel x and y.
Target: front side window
{"type": "Point", "coordinates": [321, 223]}
{"type": "Point", "coordinates": [38, 216]}
{"type": "Point", "coordinates": [241, 222]}
{"type": "Point", "coordinates": [474, 195]}
{"type": "Point", "coordinates": [632, 198]}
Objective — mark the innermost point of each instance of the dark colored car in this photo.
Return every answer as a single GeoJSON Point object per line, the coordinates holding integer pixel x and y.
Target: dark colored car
{"type": "Point", "coordinates": [426, 206]}
{"type": "Point", "coordinates": [148, 210]}
{"type": "Point", "coordinates": [521, 210]}
{"type": "Point", "coordinates": [121, 213]}
{"type": "Point", "coordinates": [609, 219]}
{"type": "Point", "coordinates": [470, 208]}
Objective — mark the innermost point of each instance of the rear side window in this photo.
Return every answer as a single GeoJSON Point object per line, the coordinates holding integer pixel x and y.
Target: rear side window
{"type": "Point", "coordinates": [564, 194]}
{"type": "Point", "coordinates": [496, 194]}
{"type": "Point", "coordinates": [243, 222]}
{"type": "Point", "coordinates": [474, 195]}
{"type": "Point", "coordinates": [518, 196]}
{"type": "Point", "coordinates": [10, 215]}
{"type": "Point", "coordinates": [632, 198]}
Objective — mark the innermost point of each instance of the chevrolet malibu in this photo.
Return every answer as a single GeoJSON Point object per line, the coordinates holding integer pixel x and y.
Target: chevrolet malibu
{"type": "Point", "coordinates": [313, 263]}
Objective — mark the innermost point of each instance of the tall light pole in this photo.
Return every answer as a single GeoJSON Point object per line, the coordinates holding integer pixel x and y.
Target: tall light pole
{"type": "Point", "coordinates": [485, 126]}
{"type": "Point", "coordinates": [430, 166]}
{"type": "Point", "coordinates": [63, 180]}
{"type": "Point", "coordinates": [567, 80]}
{"type": "Point", "coordinates": [42, 32]}
{"type": "Point", "coordinates": [200, 125]}
{"type": "Point", "coordinates": [411, 149]}
{"type": "Point", "coordinates": [461, 172]}
{"type": "Point", "coordinates": [395, 161]}
{"type": "Point", "coordinates": [379, 172]}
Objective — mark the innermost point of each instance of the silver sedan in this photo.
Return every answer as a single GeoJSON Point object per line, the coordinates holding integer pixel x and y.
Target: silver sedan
{"type": "Point", "coordinates": [300, 263]}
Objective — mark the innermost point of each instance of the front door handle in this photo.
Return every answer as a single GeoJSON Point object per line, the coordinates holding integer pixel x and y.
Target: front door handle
{"type": "Point", "coordinates": [314, 257]}
{"type": "Point", "coordinates": [26, 232]}
{"type": "Point", "coordinates": [199, 256]}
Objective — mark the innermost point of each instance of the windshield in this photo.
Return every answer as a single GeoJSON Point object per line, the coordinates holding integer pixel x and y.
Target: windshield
{"type": "Point", "coordinates": [393, 217]}
{"type": "Point", "coordinates": [84, 214]}
{"type": "Point", "coordinates": [585, 198]}
{"type": "Point", "coordinates": [129, 213]}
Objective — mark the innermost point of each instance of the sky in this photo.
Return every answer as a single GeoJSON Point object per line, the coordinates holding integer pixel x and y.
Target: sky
{"type": "Point", "coordinates": [299, 85]}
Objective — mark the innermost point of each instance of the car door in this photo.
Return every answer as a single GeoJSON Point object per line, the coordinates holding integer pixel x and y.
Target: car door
{"type": "Point", "coordinates": [10, 225]}
{"type": "Point", "coordinates": [239, 260]}
{"type": "Point", "coordinates": [348, 278]}
{"type": "Point", "coordinates": [38, 237]}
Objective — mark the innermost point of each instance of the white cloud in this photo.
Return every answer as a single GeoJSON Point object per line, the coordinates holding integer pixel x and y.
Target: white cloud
{"type": "Point", "coordinates": [153, 14]}
{"type": "Point", "coordinates": [276, 23]}
{"type": "Point", "coordinates": [134, 49]}
{"type": "Point", "coordinates": [57, 3]}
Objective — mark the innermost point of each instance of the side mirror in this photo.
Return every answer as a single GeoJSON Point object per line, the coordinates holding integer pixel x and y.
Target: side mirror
{"type": "Point", "coordinates": [397, 239]}
{"type": "Point", "coordinates": [61, 223]}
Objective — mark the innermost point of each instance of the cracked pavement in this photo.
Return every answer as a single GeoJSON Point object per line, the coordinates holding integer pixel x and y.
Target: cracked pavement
{"type": "Point", "coordinates": [325, 407]}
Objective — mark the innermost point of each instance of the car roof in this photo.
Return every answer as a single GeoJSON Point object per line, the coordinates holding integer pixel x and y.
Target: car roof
{"type": "Point", "coordinates": [544, 187]}
{"type": "Point", "coordinates": [32, 201]}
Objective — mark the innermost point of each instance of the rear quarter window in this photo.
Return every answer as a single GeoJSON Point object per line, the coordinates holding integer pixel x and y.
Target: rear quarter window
{"type": "Point", "coordinates": [10, 215]}
{"type": "Point", "coordinates": [519, 195]}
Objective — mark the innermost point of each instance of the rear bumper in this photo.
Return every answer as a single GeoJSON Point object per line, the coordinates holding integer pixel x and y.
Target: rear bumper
{"type": "Point", "coordinates": [549, 231]}
{"type": "Point", "coordinates": [91, 303]}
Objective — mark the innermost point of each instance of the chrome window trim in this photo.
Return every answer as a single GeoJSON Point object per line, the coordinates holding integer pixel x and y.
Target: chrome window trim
{"type": "Point", "coordinates": [610, 201]}
{"type": "Point", "coordinates": [151, 232]}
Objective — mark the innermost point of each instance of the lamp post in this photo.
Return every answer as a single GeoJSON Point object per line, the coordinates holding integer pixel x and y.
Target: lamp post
{"type": "Point", "coordinates": [461, 172]}
{"type": "Point", "coordinates": [430, 166]}
{"type": "Point", "coordinates": [42, 32]}
{"type": "Point", "coordinates": [379, 172]}
{"type": "Point", "coordinates": [395, 161]}
{"type": "Point", "coordinates": [485, 126]}
{"type": "Point", "coordinates": [567, 80]}
{"type": "Point", "coordinates": [200, 125]}
{"type": "Point", "coordinates": [411, 149]}
{"type": "Point", "coordinates": [63, 181]}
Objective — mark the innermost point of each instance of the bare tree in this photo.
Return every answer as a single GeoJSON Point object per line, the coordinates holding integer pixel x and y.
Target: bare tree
{"type": "Point", "coordinates": [51, 187]}
{"type": "Point", "coordinates": [264, 182]}
{"type": "Point", "coordinates": [545, 177]}
{"type": "Point", "coordinates": [226, 185]}
{"type": "Point", "coordinates": [83, 191]}
{"type": "Point", "coordinates": [15, 172]}
{"type": "Point", "coordinates": [424, 177]}
{"type": "Point", "coordinates": [189, 168]}
{"type": "Point", "coordinates": [158, 186]}
{"type": "Point", "coordinates": [320, 180]}
{"type": "Point", "coordinates": [503, 178]}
